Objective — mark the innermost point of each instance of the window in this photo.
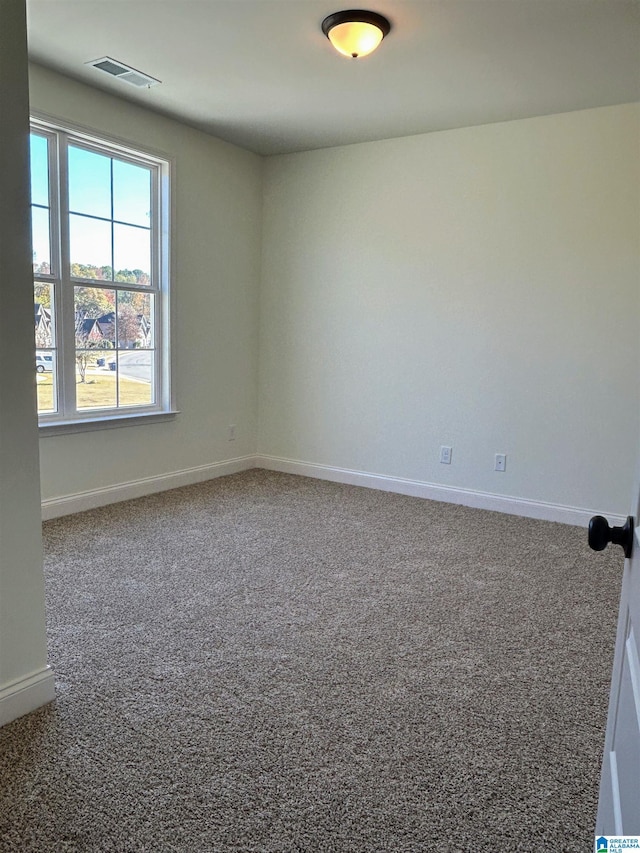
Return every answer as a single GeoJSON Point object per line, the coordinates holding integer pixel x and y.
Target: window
{"type": "Point", "coordinates": [100, 264]}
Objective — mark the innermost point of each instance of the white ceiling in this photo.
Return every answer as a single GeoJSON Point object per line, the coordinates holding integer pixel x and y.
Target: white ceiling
{"type": "Point", "coordinates": [260, 73]}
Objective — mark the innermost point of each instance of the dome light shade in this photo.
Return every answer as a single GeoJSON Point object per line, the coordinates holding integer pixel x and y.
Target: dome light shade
{"type": "Point", "coordinates": [355, 32]}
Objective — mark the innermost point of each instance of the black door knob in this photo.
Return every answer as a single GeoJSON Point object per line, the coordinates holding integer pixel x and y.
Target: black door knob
{"type": "Point", "coordinates": [600, 534]}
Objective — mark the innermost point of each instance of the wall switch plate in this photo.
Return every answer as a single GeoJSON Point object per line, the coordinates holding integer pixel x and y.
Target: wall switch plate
{"type": "Point", "coordinates": [232, 432]}
{"type": "Point", "coordinates": [501, 462]}
{"type": "Point", "coordinates": [445, 455]}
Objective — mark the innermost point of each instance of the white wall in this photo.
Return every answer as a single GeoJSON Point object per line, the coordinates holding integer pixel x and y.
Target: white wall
{"type": "Point", "coordinates": [217, 250]}
{"type": "Point", "coordinates": [476, 288]}
{"type": "Point", "coordinates": [25, 681]}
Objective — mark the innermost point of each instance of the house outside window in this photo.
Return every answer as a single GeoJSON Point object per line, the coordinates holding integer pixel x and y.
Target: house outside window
{"type": "Point", "coordinates": [100, 242]}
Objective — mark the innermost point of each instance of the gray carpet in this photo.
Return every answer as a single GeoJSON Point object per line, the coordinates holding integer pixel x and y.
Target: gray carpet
{"type": "Point", "coordinates": [276, 664]}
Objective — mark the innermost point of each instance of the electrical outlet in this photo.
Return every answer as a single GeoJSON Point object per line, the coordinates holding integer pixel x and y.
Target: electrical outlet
{"type": "Point", "coordinates": [232, 432]}
{"type": "Point", "coordinates": [501, 462]}
{"type": "Point", "coordinates": [445, 455]}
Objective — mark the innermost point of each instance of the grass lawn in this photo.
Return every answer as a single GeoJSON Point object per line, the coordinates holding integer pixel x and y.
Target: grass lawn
{"type": "Point", "coordinates": [98, 391]}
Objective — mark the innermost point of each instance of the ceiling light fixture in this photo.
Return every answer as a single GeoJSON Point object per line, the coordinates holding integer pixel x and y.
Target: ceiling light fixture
{"type": "Point", "coordinates": [355, 32]}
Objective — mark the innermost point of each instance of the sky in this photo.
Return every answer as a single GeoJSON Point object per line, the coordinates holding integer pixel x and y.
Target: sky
{"type": "Point", "coordinates": [99, 186]}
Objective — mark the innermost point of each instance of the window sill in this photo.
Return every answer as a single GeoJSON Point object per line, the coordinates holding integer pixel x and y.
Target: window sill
{"type": "Point", "coordinates": [108, 422]}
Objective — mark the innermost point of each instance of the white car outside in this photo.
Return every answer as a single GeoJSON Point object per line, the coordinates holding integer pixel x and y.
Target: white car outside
{"type": "Point", "coordinates": [44, 362]}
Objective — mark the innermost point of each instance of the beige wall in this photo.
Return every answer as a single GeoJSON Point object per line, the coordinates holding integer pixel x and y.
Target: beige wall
{"type": "Point", "coordinates": [475, 288]}
{"type": "Point", "coordinates": [215, 288]}
{"type": "Point", "coordinates": [24, 680]}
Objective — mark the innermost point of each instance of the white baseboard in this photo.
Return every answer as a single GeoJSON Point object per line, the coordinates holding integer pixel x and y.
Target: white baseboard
{"type": "Point", "coordinates": [55, 507]}
{"type": "Point", "coordinates": [25, 695]}
{"type": "Point", "coordinates": [68, 504]}
{"type": "Point", "coordinates": [432, 491]}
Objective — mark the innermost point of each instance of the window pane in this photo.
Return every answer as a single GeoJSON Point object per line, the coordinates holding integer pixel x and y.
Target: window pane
{"type": "Point", "coordinates": [39, 170]}
{"type": "Point", "coordinates": [46, 381]}
{"type": "Point", "coordinates": [89, 183]}
{"type": "Point", "coordinates": [134, 320]}
{"type": "Point", "coordinates": [43, 314]}
{"type": "Point", "coordinates": [90, 247]}
{"type": "Point", "coordinates": [132, 253]}
{"type": "Point", "coordinates": [131, 193]}
{"type": "Point", "coordinates": [40, 245]}
{"type": "Point", "coordinates": [95, 318]}
{"type": "Point", "coordinates": [95, 379]}
{"type": "Point", "coordinates": [135, 375]}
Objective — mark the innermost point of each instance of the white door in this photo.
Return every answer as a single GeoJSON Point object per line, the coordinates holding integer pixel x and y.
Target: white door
{"type": "Point", "coordinates": [619, 803]}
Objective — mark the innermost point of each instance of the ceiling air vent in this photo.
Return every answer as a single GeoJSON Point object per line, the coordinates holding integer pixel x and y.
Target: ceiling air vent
{"type": "Point", "coordinates": [123, 72]}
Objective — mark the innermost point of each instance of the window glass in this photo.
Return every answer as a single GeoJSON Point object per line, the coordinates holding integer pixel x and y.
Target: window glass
{"type": "Point", "coordinates": [46, 381]}
{"type": "Point", "coordinates": [89, 183]}
{"type": "Point", "coordinates": [40, 240]}
{"type": "Point", "coordinates": [132, 253]}
{"type": "Point", "coordinates": [40, 221]}
{"type": "Point", "coordinates": [39, 170]}
{"type": "Point", "coordinates": [135, 329]}
{"type": "Point", "coordinates": [95, 379]}
{"type": "Point", "coordinates": [90, 247]}
{"type": "Point", "coordinates": [135, 378]}
{"type": "Point", "coordinates": [44, 314]}
{"type": "Point", "coordinates": [131, 194]}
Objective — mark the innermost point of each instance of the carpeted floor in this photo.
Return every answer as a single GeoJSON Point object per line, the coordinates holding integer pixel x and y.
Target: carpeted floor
{"type": "Point", "coordinates": [277, 664]}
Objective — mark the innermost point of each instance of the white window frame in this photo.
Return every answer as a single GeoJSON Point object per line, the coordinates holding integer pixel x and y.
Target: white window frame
{"type": "Point", "coordinates": [68, 418]}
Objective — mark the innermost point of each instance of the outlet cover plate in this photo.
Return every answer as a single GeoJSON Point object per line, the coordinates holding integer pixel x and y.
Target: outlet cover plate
{"type": "Point", "coordinates": [445, 455]}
